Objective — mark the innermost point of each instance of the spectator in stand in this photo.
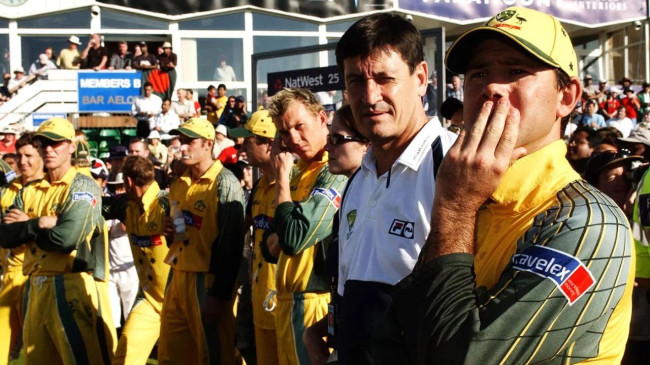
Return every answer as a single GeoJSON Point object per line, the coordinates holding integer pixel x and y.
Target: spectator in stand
{"type": "Point", "coordinates": [216, 103]}
{"type": "Point", "coordinates": [41, 67]}
{"type": "Point", "coordinates": [644, 101]}
{"type": "Point", "coordinates": [626, 83]}
{"type": "Point", "coordinates": [145, 108]}
{"type": "Point", "coordinates": [631, 104]}
{"type": "Point", "coordinates": [184, 108]}
{"type": "Point", "coordinates": [608, 171]}
{"type": "Point", "coordinates": [69, 58]}
{"type": "Point", "coordinates": [590, 117]}
{"type": "Point", "coordinates": [137, 51]}
{"type": "Point", "coordinates": [589, 90]}
{"type": "Point", "coordinates": [123, 59]}
{"type": "Point", "coordinates": [145, 61]}
{"type": "Point", "coordinates": [11, 159]}
{"type": "Point", "coordinates": [581, 146]}
{"type": "Point", "coordinates": [197, 105]}
{"type": "Point", "coordinates": [4, 90]}
{"type": "Point", "coordinates": [229, 109]}
{"type": "Point", "coordinates": [49, 52]}
{"type": "Point", "coordinates": [456, 89]}
{"type": "Point", "coordinates": [8, 142]}
{"type": "Point", "coordinates": [166, 120]}
{"type": "Point", "coordinates": [224, 72]}
{"type": "Point", "coordinates": [168, 59]}
{"type": "Point", "coordinates": [18, 81]}
{"type": "Point", "coordinates": [621, 122]}
{"type": "Point", "coordinates": [157, 149]}
{"type": "Point", "coordinates": [638, 142]}
{"type": "Point", "coordinates": [611, 104]}
{"type": "Point", "coordinates": [237, 116]}
{"type": "Point", "coordinates": [94, 56]}
{"type": "Point", "coordinates": [602, 89]}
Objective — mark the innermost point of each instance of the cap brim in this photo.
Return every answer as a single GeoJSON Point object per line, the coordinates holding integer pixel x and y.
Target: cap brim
{"type": "Point", "coordinates": [51, 136]}
{"type": "Point", "coordinates": [617, 160]}
{"type": "Point", "coordinates": [186, 132]}
{"type": "Point", "coordinates": [457, 56]}
{"type": "Point", "coordinates": [240, 132]}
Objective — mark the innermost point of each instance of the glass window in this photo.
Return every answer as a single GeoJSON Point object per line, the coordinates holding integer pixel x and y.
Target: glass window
{"type": "Point", "coordinates": [266, 44]}
{"type": "Point", "coordinates": [119, 20]}
{"type": "Point", "coordinates": [218, 60]}
{"type": "Point", "coordinates": [32, 46]}
{"type": "Point", "coordinates": [223, 22]}
{"type": "Point", "coordinates": [4, 56]}
{"type": "Point", "coordinates": [636, 55]}
{"type": "Point", "coordinates": [269, 22]}
{"type": "Point", "coordinates": [73, 19]}
{"type": "Point", "coordinates": [4, 23]}
{"type": "Point", "coordinates": [341, 26]}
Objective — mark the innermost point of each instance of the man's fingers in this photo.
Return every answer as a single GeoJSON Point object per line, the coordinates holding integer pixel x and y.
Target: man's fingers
{"type": "Point", "coordinates": [475, 134]}
{"type": "Point", "coordinates": [508, 140]}
{"type": "Point", "coordinates": [494, 130]}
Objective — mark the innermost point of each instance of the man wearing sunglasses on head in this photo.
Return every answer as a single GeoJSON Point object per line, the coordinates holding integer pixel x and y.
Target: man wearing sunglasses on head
{"type": "Point", "coordinates": [385, 213]}
{"type": "Point", "coordinates": [67, 316]}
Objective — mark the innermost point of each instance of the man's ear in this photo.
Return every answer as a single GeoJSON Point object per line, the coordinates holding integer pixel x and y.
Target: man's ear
{"type": "Point", "coordinates": [568, 97]}
{"type": "Point", "coordinates": [421, 71]}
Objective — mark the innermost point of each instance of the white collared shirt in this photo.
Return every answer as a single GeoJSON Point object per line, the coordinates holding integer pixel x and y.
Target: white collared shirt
{"type": "Point", "coordinates": [166, 121]}
{"type": "Point", "coordinates": [385, 220]}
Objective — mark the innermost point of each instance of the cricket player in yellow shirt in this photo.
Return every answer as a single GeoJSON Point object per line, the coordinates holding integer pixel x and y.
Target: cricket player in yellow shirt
{"type": "Point", "coordinates": [22, 194]}
{"type": "Point", "coordinates": [308, 196]}
{"type": "Point", "coordinates": [66, 254]}
{"type": "Point", "coordinates": [259, 134]}
{"type": "Point", "coordinates": [144, 217]}
{"type": "Point", "coordinates": [197, 318]}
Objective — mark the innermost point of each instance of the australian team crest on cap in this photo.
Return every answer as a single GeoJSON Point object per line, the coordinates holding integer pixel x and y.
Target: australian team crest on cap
{"type": "Point", "coordinates": [505, 15]}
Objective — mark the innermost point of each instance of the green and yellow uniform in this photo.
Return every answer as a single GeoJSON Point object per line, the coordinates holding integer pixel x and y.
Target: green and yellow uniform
{"type": "Point", "coordinates": [145, 224]}
{"type": "Point", "coordinates": [67, 267]}
{"type": "Point", "coordinates": [263, 273]}
{"type": "Point", "coordinates": [304, 227]}
{"type": "Point", "coordinates": [550, 280]}
{"type": "Point", "coordinates": [205, 264]}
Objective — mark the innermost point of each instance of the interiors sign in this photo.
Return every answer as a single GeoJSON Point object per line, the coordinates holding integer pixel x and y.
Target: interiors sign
{"type": "Point", "coordinates": [590, 13]}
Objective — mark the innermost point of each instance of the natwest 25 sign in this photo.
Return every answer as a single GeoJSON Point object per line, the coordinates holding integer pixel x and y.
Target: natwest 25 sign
{"type": "Point", "coordinates": [590, 13]}
{"type": "Point", "coordinates": [315, 79]}
{"type": "Point", "coordinates": [108, 91]}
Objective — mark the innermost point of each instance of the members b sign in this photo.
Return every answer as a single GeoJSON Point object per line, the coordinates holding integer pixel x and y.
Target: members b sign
{"type": "Point", "coordinates": [108, 91]}
{"type": "Point", "coordinates": [314, 79]}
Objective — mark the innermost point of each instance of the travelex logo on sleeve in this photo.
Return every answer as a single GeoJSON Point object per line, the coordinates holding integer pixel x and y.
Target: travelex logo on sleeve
{"type": "Point", "coordinates": [331, 194]}
{"type": "Point", "coordinates": [568, 273]}
{"type": "Point", "coordinates": [192, 219]}
{"type": "Point", "coordinates": [85, 196]}
{"type": "Point", "coordinates": [146, 241]}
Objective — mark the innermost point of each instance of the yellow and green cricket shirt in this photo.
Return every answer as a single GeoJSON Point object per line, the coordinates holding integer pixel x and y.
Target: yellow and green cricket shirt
{"type": "Point", "coordinates": [304, 227]}
{"type": "Point", "coordinates": [550, 280]}
{"type": "Point", "coordinates": [10, 259]}
{"type": "Point", "coordinates": [262, 207]}
{"type": "Point", "coordinates": [213, 207]}
{"type": "Point", "coordinates": [78, 242]}
{"type": "Point", "coordinates": [145, 225]}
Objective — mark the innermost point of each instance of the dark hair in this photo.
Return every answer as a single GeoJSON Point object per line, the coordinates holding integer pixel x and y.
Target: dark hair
{"type": "Point", "coordinates": [9, 155]}
{"type": "Point", "coordinates": [135, 140]}
{"type": "Point", "coordinates": [449, 107]}
{"type": "Point", "coordinates": [222, 86]}
{"type": "Point", "coordinates": [138, 169]}
{"type": "Point", "coordinates": [190, 91]}
{"type": "Point", "coordinates": [146, 84]}
{"type": "Point", "coordinates": [28, 139]}
{"type": "Point", "coordinates": [344, 115]}
{"type": "Point", "coordinates": [593, 137]}
{"type": "Point", "coordinates": [167, 99]}
{"type": "Point", "coordinates": [381, 32]}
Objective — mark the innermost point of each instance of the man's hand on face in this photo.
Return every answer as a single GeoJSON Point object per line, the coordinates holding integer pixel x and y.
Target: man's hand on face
{"type": "Point", "coordinates": [281, 160]}
{"type": "Point", "coordinates": [473, 167]}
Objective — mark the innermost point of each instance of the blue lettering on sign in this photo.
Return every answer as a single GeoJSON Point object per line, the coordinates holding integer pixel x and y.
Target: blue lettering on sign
{"type": "Point", "coordinates": [141, 241]}
{"type": "Point", "coordinates": [108, 91]}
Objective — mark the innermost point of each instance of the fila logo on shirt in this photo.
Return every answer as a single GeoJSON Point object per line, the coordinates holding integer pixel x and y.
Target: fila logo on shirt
{"type": "Point", "coordinates": [568, 273]}
{"type": "Point", "coordinates": [402, 228]}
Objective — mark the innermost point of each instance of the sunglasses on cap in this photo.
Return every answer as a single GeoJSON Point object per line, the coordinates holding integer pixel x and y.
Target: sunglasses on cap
{"type": "Point", "coordinates": [336, 139]}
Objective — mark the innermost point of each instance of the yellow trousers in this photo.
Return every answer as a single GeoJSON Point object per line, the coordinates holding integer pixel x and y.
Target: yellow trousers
{"type": "Point", "coordinates": [68, 321]}
{"type": "Point", "coordinates": [139, 335]}
{"type": "Point", "coordinates": [294, 313]}
{"type": "Point", "coordinates": [185, 337]}
{"type": "Point", "coordinates": [11, 310]}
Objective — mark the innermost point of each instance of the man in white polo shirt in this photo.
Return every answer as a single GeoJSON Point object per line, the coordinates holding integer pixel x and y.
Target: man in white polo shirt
{"type": "Point", "coordinates": [385, 214]}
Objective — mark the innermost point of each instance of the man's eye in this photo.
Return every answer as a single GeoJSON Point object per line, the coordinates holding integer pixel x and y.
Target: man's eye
{"type": "Point", "coordinates": [477, 74]}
